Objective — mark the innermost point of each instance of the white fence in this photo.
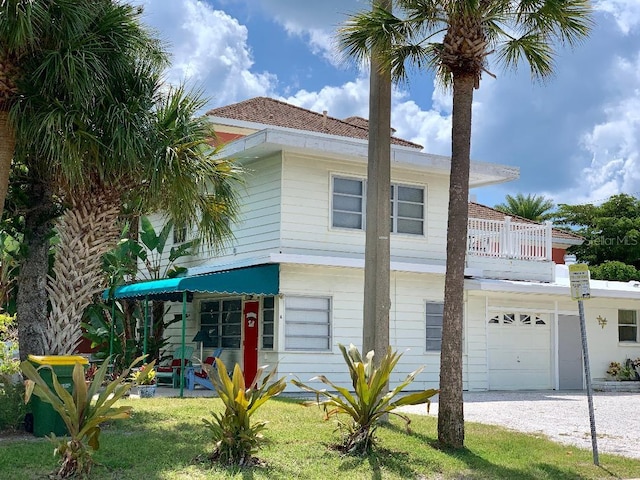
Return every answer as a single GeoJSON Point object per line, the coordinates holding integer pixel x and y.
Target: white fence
{"type": "Point", "coordinates": [507, 239]}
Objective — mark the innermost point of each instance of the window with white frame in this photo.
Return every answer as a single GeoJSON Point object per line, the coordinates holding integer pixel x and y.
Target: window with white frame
{"type": "Point", "coordinates": [407, 209]}
{"type": "Point", "coordinates": [434, 326]}
{"type": "Point", "coordinates": [307, 323]}
{"type": "Point", "coordinates": [627, 326]}
{"type": "Point", "coordinates": [348, 203]}
{"type": "Point", "coordinates": [222, 320]}
{"type": "Point", "coordinates": [268, 311]}
{"type": "Point", "coordinates": [349, 206]}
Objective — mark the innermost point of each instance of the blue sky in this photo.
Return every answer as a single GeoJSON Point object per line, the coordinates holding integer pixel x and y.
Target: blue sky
{"type": "Point", "coordinates": [575, 138]}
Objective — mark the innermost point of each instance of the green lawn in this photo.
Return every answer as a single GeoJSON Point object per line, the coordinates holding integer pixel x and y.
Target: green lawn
{"type": "Point", "coordinates": [165, 437]}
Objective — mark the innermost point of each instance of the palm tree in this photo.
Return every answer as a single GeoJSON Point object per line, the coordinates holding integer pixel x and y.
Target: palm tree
{"type": "Point", "coordinates": [455, 38]}
{"type": "Point", "coordinates": [179, 175]}
{"type": "Point", "coordinates": [21, 26]}
{"type": "Point", "coordinates": [533, 207]}
{"type": "Point", "coordinates": [83, 115]}
{"type": "Point", "coordinates": [375, 327]}
{"type": "Point", "coordinates": [111, 134]}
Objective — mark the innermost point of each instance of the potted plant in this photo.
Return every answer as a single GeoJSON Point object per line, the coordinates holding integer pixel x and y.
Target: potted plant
{"type": "Point", "coordinates": [145, 379]}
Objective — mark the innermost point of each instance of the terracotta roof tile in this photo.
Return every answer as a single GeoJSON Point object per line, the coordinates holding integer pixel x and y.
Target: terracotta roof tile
{"type": "Point", "coordinates": [483, 212]}
{"type": "Point", "coordinates": [270, 111]}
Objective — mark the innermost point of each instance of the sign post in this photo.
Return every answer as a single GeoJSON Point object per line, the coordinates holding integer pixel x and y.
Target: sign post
{"type": "Point", "coordinates": [581, 290]}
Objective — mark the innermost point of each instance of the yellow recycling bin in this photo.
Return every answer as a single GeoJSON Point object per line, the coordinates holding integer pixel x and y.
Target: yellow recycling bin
{"type": "Point", "coordinates": [45, 419]}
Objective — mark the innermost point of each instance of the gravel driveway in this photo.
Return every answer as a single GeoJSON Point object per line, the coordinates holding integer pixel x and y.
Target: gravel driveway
{"type": "Point", "coordinates": [563, 417]}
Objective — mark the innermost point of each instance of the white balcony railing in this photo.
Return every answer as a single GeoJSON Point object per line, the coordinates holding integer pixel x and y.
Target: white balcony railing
{"type": "Point", "coordinates": [508, 239]}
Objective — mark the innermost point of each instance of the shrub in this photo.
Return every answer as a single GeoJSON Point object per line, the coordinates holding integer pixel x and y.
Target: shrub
{"type": "Point", "coordinates": [236, 439]}
{"type": "Point", "coordinates": [626, 372]}
{"type": "Point", "coordinates": [83, 411]}
{"type": "Point", "coordinates": [12, 406]}
{"type": "Point", "coordinates": [368, 406]}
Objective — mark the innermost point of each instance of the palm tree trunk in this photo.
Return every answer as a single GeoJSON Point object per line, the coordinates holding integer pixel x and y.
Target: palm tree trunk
{"type": "Point", "coordinates": [375, 332]}
{"type": "Point", "coordinates": [87, 230]}
{"type": "Point", "coordinates": [31, 301]}
{"type": "Point", "coordinates": [450, 402]}
{"type": "Point", "coordinates": [7, 147]}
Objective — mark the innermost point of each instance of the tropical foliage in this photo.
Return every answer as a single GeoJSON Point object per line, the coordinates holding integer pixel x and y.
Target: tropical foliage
{"type": "Point", "coordinates": [368, 405]}
{"type": "Point", "coordinates": [612, 235]}
{"type": "Point", "coordinates": [236, 438]}
{"type": "Point", "coordinates": [534, 207]}
{"type": "Point", "coordinates": [82, 411]}
{"type": "Point", "coordinates": [456, 39]}
{"type": "Point", "coordinates": [614, 270]}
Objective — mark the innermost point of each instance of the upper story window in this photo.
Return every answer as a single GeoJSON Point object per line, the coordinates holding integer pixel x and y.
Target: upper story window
{"type": "Point", "coordinates": [307, 323]}
{"type": "Point", "coordinates": [348, 203]}
{"type": "Point", "coordinates": [349, 206]}
{"type": "Point", "coordinates": [627, 326]}
{"type": "Point", "coordinates": [407, 209]}
{"type": "Point", "coordinates": [179, 235]}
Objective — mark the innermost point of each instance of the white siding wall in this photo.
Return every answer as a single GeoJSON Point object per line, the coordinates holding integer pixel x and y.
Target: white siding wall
{"type": "Point", "coordinates": [344, 286]}
{"type": "Point", "coordinates": [306, 211]}
{"type": "Point", "coordinates": [476, 342]}
{"type": "Point", "coordinates": [257, 229]}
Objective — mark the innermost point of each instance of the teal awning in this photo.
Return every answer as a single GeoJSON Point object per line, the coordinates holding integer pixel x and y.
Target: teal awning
{"type": "Point", "coordinates": [257, 280]}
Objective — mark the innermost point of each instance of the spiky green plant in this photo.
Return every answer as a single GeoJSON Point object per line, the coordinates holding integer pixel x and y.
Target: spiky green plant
{"type": "Point", "coordinates": [82, 411]}
{"type": "Point", "coordinates": [366, 407]}
{"type": "Point", "coordinates": [236, 438]}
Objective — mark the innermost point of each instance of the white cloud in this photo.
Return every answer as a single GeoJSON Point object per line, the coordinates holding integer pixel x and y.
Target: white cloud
{"type": "Point", "coordinates": [613, 145]}
{"type": "Point", "coordinates": [314, 25]}
{"type": "Point", "coordinates": [209, 50]}
{"type": "Point", "coordinates": [625, 12]}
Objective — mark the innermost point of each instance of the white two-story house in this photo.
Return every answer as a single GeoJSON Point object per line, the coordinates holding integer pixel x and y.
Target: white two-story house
{"type": "Point", "coordinates": [290, 288]}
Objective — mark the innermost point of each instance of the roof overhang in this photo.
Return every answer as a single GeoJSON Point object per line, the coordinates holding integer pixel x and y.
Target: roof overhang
{"type": "Point", "coordinates": [271, 141]}
{"type": "Point", "coordinates": [254, 280]}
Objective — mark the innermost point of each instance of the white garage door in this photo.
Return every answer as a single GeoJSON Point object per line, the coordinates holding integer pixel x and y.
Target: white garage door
{"type": "Point", "coordinates": [519, 351]}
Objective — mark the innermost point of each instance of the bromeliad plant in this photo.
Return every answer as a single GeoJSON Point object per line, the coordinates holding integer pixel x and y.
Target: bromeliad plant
{"type": "Point", "coordinates": [236, 439]}
{"type": "Point", "coordinates": [368, 404]}
{"type": "Point", "coordinates": [83, 411]}
{"type": "Point", "coordinates": [145, 375]}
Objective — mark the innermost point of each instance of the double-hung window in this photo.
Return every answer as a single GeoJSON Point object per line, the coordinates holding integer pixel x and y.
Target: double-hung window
{"type": "Point", "coordinates": [349, 206]}
{"type": "Point", "coordinates": [627, 326]}
{"type": "Point", "coordinates": [407, 209]}
{"type": "Point", "coordinates": [307, 323]}
{"type": "Point", "coordinates": [348, 203]}
{"type": "Point", "coordinates": [434, 326]}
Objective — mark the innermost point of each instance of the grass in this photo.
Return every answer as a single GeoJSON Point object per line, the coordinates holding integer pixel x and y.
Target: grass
{"type": "Point", "coordinates": [165, 437]}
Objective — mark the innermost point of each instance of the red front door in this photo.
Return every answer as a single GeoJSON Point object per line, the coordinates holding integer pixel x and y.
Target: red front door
{"type": "Point", "coordinates": [250, 346]}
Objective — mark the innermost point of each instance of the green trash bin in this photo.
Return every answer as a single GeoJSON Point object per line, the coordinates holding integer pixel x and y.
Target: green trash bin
{"type": "Point", "coordinates": [45, 419]}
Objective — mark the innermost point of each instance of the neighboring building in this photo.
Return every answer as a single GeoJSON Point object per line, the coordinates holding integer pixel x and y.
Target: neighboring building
{"type": "Point", "coordinates": [294, 275]}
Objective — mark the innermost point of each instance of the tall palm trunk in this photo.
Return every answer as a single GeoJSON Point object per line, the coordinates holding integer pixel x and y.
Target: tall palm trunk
{"type": "Point", "coordinates": [7, 148]}
{"type": "Point", "coordinates": [375, 332]}
{"type": "Point", "coordinates": [450, 403]}
{"type": "Point", "coordinates": [31, 301]}
{"type": "Point", "coordinates": [87, 230]}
